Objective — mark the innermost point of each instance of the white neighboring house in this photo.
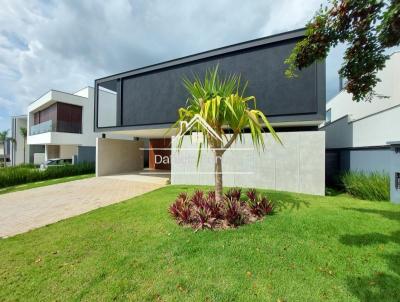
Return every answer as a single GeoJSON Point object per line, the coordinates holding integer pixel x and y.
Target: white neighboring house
{"type": "Point", "coordinates": [19, 150]}
{"type": "Point", "coordinates": [5, 151]}
{"type": "Point", "coordinates": [366, 135]}
{"type": "Point", "coordinates": [63, 124]}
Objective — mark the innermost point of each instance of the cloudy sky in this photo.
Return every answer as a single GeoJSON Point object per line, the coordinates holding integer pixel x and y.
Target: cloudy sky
{"type": "Point", "coordinates": [65, 45]}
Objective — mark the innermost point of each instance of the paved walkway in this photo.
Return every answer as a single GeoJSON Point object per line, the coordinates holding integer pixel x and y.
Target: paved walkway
{"type": "Point", "coordinates": [25, 210]}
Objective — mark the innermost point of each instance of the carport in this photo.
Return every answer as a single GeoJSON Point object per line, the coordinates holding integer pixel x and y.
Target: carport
{"type": "Point", "coordinates": [139, 159]}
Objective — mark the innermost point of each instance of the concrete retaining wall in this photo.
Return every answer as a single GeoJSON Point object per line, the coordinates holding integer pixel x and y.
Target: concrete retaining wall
{"type": "Point", "coordinates": [297, 166]}
{"type": "Point", "coordinates": [114, 156]}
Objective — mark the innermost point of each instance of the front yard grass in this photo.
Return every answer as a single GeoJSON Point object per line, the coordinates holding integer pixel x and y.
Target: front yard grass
{"type": "Point", "coordinates": [313, 249]}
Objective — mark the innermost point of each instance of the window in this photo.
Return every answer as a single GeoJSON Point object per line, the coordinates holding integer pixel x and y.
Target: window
{"type": "Point", "coordinates": [328, 116]}
{"type": "Point", "coordinates": [107, 104]}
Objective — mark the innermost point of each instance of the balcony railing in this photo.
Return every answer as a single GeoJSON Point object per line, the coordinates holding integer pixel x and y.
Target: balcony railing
{"type": "Point", "coordinates": [44, 127]}
{"type": "Point", "coordinates": [56, 126]}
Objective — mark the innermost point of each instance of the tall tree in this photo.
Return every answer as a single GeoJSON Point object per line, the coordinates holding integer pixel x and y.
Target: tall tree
{"type": "Point", "coordinates": [3, 138]}
{"type": "Point", "coordinates": [221, 103]}
{"type": "Point", "coordinates": [23, 132]}
{"type": "Point", "coordinates": [368, 27]}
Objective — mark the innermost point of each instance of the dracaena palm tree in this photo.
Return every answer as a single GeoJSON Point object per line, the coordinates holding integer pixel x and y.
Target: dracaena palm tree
{"type": "Point", "coordinates": [222, 103]}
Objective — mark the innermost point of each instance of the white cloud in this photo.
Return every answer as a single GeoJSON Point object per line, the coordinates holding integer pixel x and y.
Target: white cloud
{"type": "Point", "coordinates": [65, 45]}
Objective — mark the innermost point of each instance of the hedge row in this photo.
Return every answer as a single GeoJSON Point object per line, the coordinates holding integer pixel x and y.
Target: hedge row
{"type": "Point", "coordinates": [23, 174]}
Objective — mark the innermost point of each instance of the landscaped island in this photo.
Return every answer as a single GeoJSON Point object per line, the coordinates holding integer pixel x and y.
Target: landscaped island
{"type": "Point", "coordinates": [204, 211]}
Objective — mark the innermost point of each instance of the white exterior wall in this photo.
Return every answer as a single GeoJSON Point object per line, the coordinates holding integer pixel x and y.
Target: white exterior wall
{"type": "Point", "coordinates": [88, 119]}
{"type": "Point", "coordinates": [114, 156]}
{"type": "Point", "coordinates": [367, 124]}
{"type": "Point", "coordinates": [342, 104]}
{"type": "Point", "coordinates": [59, 138]}
{"type": "Point", "coordinates": [297, 166]}
{"type": "Point", "coordinates": [68, 151]}
{"type": "Point", "coordinates": [378, 129]}
{"type": "Point", "coordinates": [17, 147]}
{"type": "Point", "coordinates": [84, 92]}
{"type": "Point", "coordinates": [374, 130]}
{"type": "Point", "coordinates": [51, 152]}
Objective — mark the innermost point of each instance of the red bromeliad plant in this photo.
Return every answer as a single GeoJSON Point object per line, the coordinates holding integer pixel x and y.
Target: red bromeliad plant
{"type": "Point", "coordinates": [234, 194]}
{"type": "Point", "coordinates": [234, 213]}
{"type": "Point", "coordinates": [204, 211]}
{"type": "Point", "coordinates": [181, 210]}
{"type": "Point", "coordinates": [261, 206]}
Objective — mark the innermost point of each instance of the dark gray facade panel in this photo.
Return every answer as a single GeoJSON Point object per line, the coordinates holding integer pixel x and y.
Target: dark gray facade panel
{"type": "Point", "coordinates": [86, 154]}
{"type": "Point", "coordinates": [152, 96]}
{"type": "Point", "coordinates": [155, 97]}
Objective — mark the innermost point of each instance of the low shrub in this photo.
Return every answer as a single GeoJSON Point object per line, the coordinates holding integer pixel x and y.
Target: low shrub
{"type": "Point", "coordinates": [23, 174]}
{"type": "Point", "coordinates": [203, 211]}
{"type": "Point", "coordinates": [371, 186]}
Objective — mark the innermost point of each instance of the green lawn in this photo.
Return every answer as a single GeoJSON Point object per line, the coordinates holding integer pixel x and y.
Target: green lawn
{"type": "Point", "coordinates": [314, 249]}
{"type": "Point", "coordinates": [43, 183]}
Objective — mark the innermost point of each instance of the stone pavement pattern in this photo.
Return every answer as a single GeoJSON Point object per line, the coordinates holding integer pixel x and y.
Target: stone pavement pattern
{"type": "Point", "coordinates": [25, 210]}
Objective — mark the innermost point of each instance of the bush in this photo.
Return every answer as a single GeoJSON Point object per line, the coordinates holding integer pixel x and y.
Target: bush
{"type": "Point", "coordinates": [202, 211]}
{"type": "Point", "coordinates": [23, 174]}
{"type": "Point", "coordinates": [371, 186]}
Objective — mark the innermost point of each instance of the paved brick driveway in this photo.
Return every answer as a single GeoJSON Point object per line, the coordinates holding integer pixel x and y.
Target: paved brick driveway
{"type": "Point", "coordinates": [29, 209]}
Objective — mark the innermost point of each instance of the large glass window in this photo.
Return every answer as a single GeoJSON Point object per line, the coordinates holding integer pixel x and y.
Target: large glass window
{"type": "Point", "coordinates": [107, 104]}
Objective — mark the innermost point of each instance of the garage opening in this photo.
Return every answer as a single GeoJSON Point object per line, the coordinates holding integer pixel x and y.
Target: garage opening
{"type": "Point", "coordinates": [125, 159]}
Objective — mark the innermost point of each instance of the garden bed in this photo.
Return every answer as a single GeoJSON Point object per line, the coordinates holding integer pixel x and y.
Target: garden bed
{"type": "Point", "coordinates": [203, 211]}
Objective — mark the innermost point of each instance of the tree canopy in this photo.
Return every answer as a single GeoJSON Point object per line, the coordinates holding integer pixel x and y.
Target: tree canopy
{"type": "Point", "coordinates": [368, 27]}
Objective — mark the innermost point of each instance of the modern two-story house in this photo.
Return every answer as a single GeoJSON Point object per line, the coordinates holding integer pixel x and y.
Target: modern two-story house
{"type": "Point", "coordinates": [146, 100]}
{"type": "Point", "coordinates": [365, 136]}
{"type": "Point", "coordinates": [62, 123]}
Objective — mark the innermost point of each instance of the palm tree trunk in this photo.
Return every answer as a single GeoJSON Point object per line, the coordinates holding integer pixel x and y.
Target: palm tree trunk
{"type": "Point", "coordinates": [218, 175]}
